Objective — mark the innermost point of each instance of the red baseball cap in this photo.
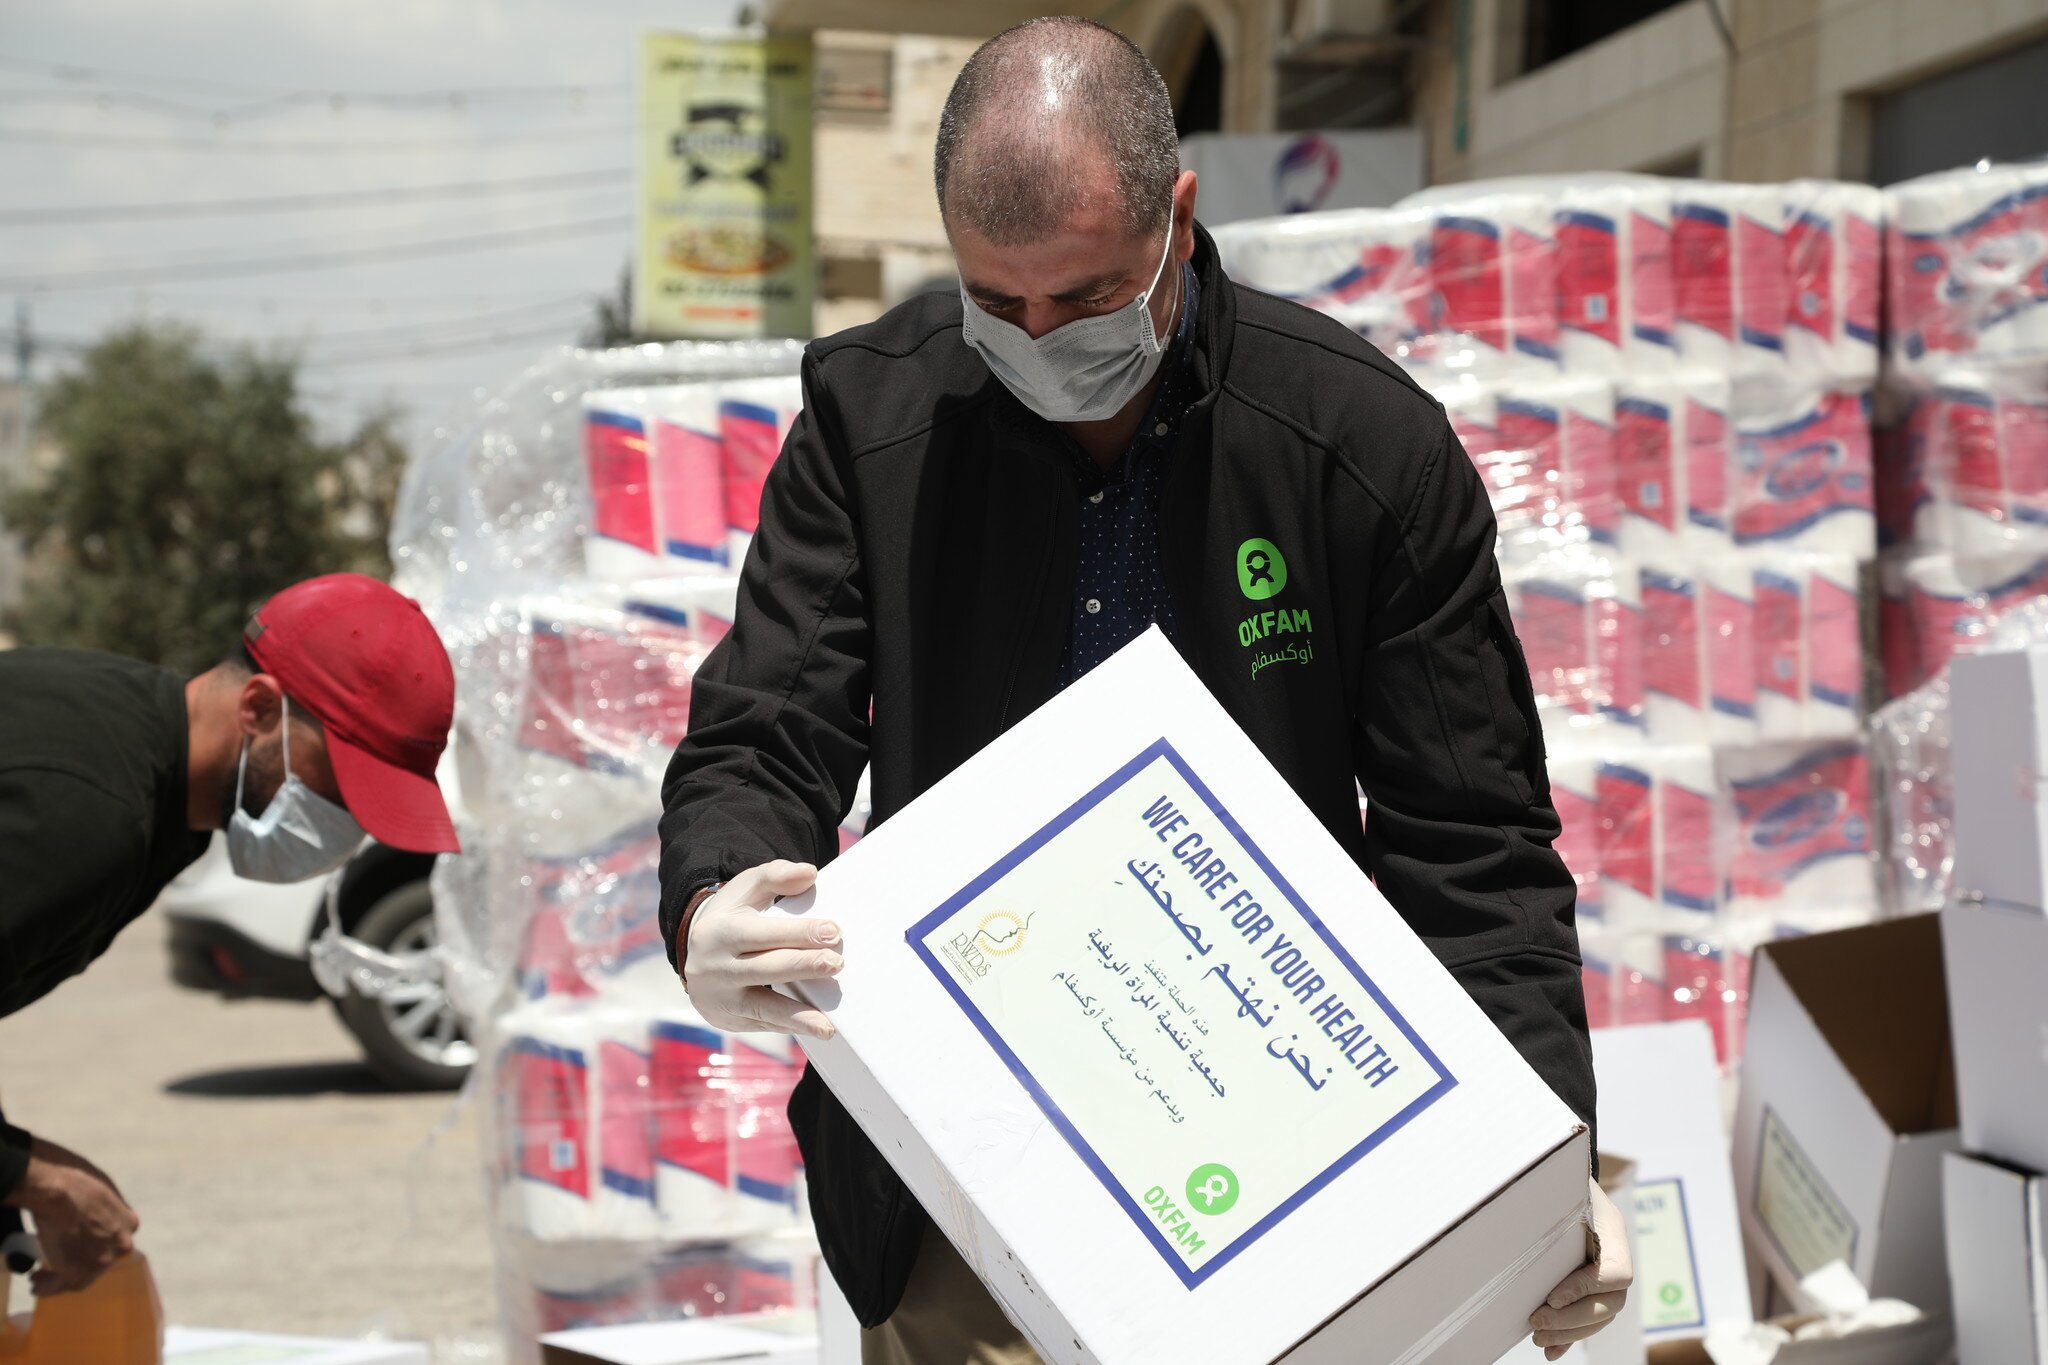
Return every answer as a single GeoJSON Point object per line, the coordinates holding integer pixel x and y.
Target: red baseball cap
{"type": "Point", "coordinates": [364, 659]}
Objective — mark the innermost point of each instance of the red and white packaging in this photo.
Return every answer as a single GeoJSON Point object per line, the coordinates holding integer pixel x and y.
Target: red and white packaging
{"type": "Point", "coordinates": [1834, 251]}
{"type": "Point", "coordinates": [1802, 831]}
{"type": "Point", "coordinates": [1936, 605]}
{"type": "Point", "coordinates": [1614, 278]}
{"type": "Point", "coordinates": [1363, 267]}
{"type": "Point", "coordinates": [1728, 649]}
{"type": "Point", "coordinates": [624, 541]}
{"type": "Point", "coordinates": [1674, 450]}
{"type": "Point", "coordinates": [725, 1160]}
{"type": "Point", "coordinates": [1967, 268]}
{"type": "Point", "coordinates": [1802, 477]}
{"type": "Point", "coordinates": [574, 1125]}
{"type": "Point", "coordinates": [754, 418]}
{"type": "Point", "coordinates": [689, 469]}
{"type": "Point", "coordinates": [1807, 646]}
{"type": "Point", "coordinates": [1978, 444]}
{"type": "Point", "coordinates": [1493, 285]}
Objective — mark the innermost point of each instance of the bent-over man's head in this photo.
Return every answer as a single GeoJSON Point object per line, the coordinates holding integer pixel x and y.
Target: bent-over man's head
{"type": "Point", "coordinates": [1059, 181]}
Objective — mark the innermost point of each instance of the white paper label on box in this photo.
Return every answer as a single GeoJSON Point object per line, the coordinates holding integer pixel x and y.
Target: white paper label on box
{"type": "Point", "coordinates": [1804, 1218]}
{"type": "Point", "coordinates": [1188, 1024]}
{"type": "Point", "coordinates": [1667, 1273]}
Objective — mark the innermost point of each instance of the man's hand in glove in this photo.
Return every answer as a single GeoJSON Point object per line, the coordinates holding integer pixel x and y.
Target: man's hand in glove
{"type": "Point", "coordinates": [1592, 1296]}
{"type": "Point", "coordinates": [733, 953]}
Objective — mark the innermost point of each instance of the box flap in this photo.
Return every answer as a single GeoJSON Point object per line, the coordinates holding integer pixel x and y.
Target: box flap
{"type": "Point", "coordinates": [1997, 959]}
{"type": "Point", "coordinates": [1995, 1259]}
{"type": "Point", "coordinates": [1878, 995]}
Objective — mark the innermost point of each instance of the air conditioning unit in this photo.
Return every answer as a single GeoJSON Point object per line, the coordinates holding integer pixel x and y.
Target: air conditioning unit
{"type": "Point", "coordinates": [1336, 30]}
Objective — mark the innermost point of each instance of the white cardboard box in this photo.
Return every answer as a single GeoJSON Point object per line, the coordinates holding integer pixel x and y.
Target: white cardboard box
{"type": "Point", "coordinates": [1167, 1069]}
{"type": "Point", "coordinates": [1997, 1221]}
{"type": "Point", "coordinates": [1660, 1103]}
{"type": "Point", "coordinates": [1620, 1342]}
{"type": "Point", "coordinates": [1998, 756]}
{"type": "Point", "coordinates": [1925, 1342]}
{"type": "Point", "coordinates": [1847, 1105]}
{"type": "Point", "coordinates": [757, 1339]}
{"type": "Point", "coordinates": [204, 1346]}
{"type": "Point", "coordinates": [1997, 958]}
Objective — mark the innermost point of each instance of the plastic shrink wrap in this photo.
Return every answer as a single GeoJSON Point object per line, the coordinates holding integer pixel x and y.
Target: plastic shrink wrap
{"type": "Point", "coordinates": [1667, 388]}
{"type": "Point", "coordinates": [575, 540]}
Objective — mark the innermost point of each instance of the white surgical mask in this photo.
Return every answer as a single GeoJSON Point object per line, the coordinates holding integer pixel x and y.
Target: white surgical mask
{"type": "Point", "coordinates": [300, 834]}
{"type": "Point", "coordinates": [1082, 372]}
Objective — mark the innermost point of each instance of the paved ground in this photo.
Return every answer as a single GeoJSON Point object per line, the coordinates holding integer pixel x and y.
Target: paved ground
{"type": "Point", "coordinates": [280, 1187]}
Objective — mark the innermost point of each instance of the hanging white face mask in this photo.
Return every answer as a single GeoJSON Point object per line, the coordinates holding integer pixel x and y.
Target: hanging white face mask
{"type": "Point", "coordinates": [1082, 372]}
{"type": "Point", "coordinates": [300, 834]}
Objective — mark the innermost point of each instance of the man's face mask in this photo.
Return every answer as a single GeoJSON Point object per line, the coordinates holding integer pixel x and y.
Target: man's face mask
{"type": "Point", "coordinates": [1083, 372]}
{"type": "Point", "coordinates": [300, 834]}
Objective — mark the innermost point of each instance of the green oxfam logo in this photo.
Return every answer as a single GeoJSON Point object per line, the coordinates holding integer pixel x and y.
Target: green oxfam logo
{"type": "Point", "coordinates": [1212, 1188]}
{"type": "Point", "coordinates": [1671, 1293]}
{"type": "Point", "coordinates": [1261, 570]}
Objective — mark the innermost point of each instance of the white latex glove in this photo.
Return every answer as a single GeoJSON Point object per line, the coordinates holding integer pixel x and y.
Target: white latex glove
{"type": "Point", "coordinates": [1592, 1296]}
{"type": "Point", "coordinates": [734, 953]}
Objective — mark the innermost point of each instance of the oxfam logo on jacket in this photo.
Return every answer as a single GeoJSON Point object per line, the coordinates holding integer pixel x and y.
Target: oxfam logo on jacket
{"type": "Point", "coordinates": [1261, 569]}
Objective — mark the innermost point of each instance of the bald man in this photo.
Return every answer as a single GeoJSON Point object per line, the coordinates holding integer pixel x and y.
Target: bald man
{"type": "Point", "coordinates": [986, 495]}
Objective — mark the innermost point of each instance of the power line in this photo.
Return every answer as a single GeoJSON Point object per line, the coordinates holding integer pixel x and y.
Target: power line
{"type": "Point", "coordinates": [90, 75]}
{"type": "Point", "coordinates": [294, 203]}
{"type": "Point", "coordinates": [498, 341]}
{"type": "Point", "coordinates": [426, 331]}
{"type": "Point", "coordinates": [226, 269]}
{"type": "Point", "coordinates": [443, 101]}
{"type": "Point", "coordinates": [70, 138]}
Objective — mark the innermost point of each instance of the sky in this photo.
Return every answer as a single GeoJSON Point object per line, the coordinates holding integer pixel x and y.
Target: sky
{"type": "Point", "coordinates": [442, 186]}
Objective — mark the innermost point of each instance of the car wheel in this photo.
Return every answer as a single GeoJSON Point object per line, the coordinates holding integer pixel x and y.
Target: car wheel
{"type": "Point", "coordinates": [412, 1038]}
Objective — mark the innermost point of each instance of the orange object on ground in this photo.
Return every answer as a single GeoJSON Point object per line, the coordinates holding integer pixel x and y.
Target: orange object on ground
{"type": "Point", "coordinates": [118, 1321]}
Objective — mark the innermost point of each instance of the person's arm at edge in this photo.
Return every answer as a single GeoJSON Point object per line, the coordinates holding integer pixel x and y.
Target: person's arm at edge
{"type": "Point", "coordinates": [779, 711]}
{"type": "Point", "coordinates": [1460, 824]}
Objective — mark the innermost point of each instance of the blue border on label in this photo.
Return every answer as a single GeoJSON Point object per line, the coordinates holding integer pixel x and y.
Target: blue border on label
{"type": "Point", "coordinates": [1692, 1263]}
{"type": "Point", "coordinates": [1189, 1276]}
{"type": "Point", "coordinates": [1769, 1119]}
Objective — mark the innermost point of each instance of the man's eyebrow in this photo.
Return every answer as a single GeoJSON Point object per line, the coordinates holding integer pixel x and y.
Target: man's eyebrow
{"type": "Point", "coordinates": [1093, 289]}
{"type": "Point", "coordinates": [990, 295]}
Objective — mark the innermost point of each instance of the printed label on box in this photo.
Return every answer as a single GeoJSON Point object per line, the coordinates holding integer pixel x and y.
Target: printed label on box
{"type": "Point", "coordinates": [1171, 1004]}
{"type": "Point", "coordinates": [1804, 1218]}
{"type": "Point", "coordinates": [1667, 1276]}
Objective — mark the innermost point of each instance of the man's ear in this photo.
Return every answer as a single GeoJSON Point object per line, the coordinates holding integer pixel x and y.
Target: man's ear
{"type": "Point", "coordinates": [259, 709]}
{"type": "Point", "coordinates": [1184, 216]}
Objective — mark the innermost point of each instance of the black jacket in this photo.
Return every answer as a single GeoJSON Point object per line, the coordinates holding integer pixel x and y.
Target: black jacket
{"type": "Point", "coordinates": [917, 552]}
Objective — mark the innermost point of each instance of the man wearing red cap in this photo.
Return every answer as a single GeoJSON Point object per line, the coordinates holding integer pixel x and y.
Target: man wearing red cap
{"type": "Point", "coordinates": [325, 723]}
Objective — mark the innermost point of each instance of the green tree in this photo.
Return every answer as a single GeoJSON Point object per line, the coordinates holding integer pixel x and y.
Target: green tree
{"type": "Point", "coordinates": [611, 315]}
{"type": "Point", "coordinates": [188, 487]}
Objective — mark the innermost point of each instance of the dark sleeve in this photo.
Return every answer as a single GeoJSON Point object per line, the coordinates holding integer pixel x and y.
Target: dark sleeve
{"type": "Point", "coordinates": [1459, 823]}
{"type": "Point", "coordinates": [779, 711]}
{"type": "Point", "coordinates": [14, 1149]}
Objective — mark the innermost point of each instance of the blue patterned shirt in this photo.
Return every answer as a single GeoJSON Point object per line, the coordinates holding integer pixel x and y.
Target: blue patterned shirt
{"type": "Point", "coordinates": [1121, 587]}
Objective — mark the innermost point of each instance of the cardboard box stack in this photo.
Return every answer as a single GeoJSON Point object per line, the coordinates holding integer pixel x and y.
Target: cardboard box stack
{"type": "Point", "coordinates": [1995, 945]}
{"type": "Point", "coordinates": [1667, 387]}
{"type": "Point", "coordinates": [577, 551]}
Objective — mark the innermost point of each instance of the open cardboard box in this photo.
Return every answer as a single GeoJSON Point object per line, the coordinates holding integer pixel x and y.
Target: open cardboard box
{"type": "Point", "coordinates": [1167, 1069]}
{"type": "Point", "coordinates": [1848, 1103]}
{"type": "Point", "coordinates": [745, 1339]}
{"type": "Point", "coordinates": [1916, 1343]}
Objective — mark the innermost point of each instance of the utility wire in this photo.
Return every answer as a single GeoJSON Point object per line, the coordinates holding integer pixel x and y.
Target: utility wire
{"type": "Point", "coordinates": [91, 75]}
{"type": "Point", "coordinates": [71, 138]}
{"type": "Point", "coordinates": [323, 260]}
{"type": "Point", "coordinates": [296, 203]}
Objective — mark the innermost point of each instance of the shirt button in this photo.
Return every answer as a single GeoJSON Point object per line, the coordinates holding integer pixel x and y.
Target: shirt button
{"type": "Point", "coordinates": [1092, 605]}
{"type": "Point", "coordinates": [1096, 496]}
{"type": "Point", "coordinates": [1159, 429]}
